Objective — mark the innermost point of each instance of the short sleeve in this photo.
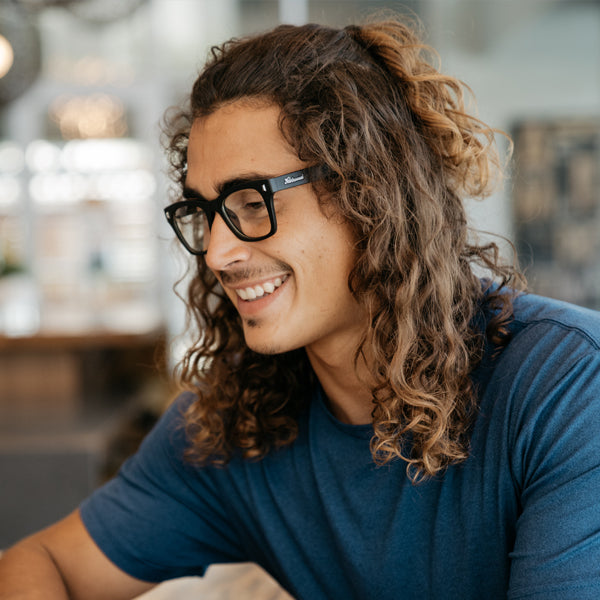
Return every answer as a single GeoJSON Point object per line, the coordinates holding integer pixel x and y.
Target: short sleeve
{"type": "Point", "coordinates": [161, 517]}
{"type": "Point", "coordinates": [556, 463]}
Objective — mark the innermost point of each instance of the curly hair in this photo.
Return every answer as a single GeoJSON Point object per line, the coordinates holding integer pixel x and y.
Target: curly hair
{"type": "Point", "coordinates": [401, 153]}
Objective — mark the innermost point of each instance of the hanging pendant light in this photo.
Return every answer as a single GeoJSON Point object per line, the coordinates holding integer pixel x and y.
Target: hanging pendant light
{"type": "Point", "coordinates": [20, 52]}
{"type": "Point", "coordinates": [7, 56]}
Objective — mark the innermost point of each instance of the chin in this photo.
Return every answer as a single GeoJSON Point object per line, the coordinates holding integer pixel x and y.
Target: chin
{"type": "Point", "coordinates": [269, 337]}
{"type": "Point", "coordinates": [256, 341]}
{"type": "Point", "coordinates": [264, 348]}
{"type": "Point", "coordinates": [262, 344]}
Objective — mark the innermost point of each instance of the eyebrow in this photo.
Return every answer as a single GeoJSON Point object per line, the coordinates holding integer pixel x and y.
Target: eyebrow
{"type": "Point", "coordinates": [192, 194]}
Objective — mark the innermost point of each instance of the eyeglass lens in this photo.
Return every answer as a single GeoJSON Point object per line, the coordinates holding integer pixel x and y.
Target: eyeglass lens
{"type": "Point", "coordinates": [246, 211]}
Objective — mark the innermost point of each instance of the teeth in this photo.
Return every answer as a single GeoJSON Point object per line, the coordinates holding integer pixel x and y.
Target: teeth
{"type": "Point", "coordinates": [258, 291]}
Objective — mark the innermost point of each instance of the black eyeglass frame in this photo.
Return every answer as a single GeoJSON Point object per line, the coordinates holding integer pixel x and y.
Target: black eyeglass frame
{"type": "Point", "coordinates": [266, 188]}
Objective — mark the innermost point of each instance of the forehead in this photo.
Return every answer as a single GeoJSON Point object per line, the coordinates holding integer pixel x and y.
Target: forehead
{"type": "Point", "coordinates": [237, 139]}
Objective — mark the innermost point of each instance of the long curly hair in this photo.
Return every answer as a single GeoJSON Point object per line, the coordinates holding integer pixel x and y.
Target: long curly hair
{"type": "Point", "coordinates": [401, 153]}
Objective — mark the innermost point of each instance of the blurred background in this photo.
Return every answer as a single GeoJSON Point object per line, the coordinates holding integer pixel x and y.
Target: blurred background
{"type": "Point", "coordinates": [87, 264]}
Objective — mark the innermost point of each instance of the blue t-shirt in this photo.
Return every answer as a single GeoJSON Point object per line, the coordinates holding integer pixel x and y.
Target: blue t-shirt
{"type": "Point", "coordinates": [519, 518]}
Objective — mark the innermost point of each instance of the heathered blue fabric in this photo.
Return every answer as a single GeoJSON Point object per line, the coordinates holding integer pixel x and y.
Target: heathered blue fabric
{"type": "Point", "coordinates": [519, 519]}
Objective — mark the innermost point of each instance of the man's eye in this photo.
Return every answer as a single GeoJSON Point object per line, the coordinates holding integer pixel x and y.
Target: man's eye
{"type": "Point", "coordinates": [245, 203]}
{"type": "Point", "coordinates": [254, 206]}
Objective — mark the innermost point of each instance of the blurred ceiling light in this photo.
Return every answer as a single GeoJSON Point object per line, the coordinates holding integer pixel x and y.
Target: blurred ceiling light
{"type": "Point", "coordinates": [7, 56]}
{"type": "Point", "coordinates": [42, 156]}
{"type": "Point", "coordinates": [93, 116]}
{"type": "Point", "coordinates": [10, 191]}
{"type": "Point", "coordinates": [57, 188]}
{"type": "Point", "coordinates": [88, 156]}
{"type": "Point", "coordinates": [12, 160]}
{"type": "Point", "coordinates": [126, 186]}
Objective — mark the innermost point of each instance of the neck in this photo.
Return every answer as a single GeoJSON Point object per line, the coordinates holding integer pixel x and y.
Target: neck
{"type": "Point", "coordinates": [348, 396]}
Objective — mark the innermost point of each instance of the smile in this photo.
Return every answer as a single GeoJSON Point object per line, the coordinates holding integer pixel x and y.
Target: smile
{"type": "Point", "coordinates": [258, 291]}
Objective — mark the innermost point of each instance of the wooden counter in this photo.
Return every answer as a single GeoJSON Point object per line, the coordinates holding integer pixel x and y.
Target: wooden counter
{"type": "Point", "coordinates": [57, 375]}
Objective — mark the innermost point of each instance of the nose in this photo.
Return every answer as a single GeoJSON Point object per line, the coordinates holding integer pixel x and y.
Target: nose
{"type": "Point", "coordinates": [224, 247]}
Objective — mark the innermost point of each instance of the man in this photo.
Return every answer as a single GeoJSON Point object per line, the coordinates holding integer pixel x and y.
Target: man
{"type": "Point", "coordinates": [365, 417]}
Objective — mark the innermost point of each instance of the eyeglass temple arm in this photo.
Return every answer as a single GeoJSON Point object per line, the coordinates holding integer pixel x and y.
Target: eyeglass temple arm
{"type": "Point", "coordinates": [291, 180]}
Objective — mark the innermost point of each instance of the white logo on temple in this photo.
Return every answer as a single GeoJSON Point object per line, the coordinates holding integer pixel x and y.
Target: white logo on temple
{"type": "Point", "coordinates": [289, 180]}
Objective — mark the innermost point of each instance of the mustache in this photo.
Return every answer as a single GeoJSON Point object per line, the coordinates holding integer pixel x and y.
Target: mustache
{"type": "Point", "coordinates": [237, 275]}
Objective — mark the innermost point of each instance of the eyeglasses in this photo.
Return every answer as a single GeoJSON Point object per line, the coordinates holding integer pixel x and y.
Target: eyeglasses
{"type": "Point", "coordinates": [246, 207]}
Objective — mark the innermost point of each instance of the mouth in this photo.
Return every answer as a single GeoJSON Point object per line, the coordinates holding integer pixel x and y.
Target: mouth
{"type": "Point", "coordinates": [255, 292]}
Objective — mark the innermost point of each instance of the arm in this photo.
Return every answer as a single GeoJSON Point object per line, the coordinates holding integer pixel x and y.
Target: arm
{"type": "Point", "coordinates": [63, 562]}
{"type": "Point", "coordinates": [557, 459]}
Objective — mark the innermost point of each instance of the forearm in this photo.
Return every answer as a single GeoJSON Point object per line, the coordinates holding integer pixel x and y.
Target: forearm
{"type": "Point", "coordinates": [27, 572]}
{"type": "Point", "coordinates": [62, 562]}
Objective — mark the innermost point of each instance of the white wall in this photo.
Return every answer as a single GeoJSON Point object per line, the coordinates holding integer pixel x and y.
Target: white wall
{"type": "Point", "coordinates": [523, 59]}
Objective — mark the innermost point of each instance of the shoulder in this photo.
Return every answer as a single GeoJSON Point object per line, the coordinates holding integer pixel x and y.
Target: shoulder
{"type": "Point", "coordinates": [546, 337]}
{"type": "Point", "coordinates": [548, 375]}
{"type": "Point", "coordinates": [559, 318]}
{"type": "Point", "coordinates": [550, 367]}
{"type": "Point", "coordinates": [539, 398]}
{"type": "Point", "coordinates": [550, 341]}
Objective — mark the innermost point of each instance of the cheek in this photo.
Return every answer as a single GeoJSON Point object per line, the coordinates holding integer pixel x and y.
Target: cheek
{"type": "Point", "coordinates": [334, 265]}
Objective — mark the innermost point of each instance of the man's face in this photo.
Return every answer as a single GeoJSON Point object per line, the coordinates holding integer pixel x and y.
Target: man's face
{"type": "Point", "coordinates": [291, 290]}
